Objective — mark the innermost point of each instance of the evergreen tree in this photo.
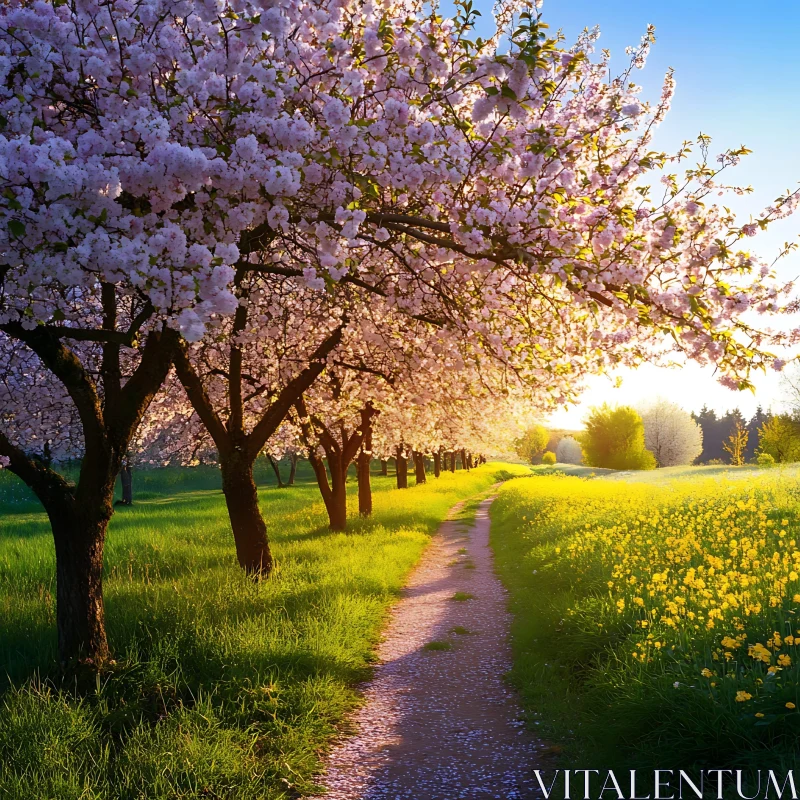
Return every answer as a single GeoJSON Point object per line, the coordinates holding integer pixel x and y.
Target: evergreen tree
{"type": "Point", "coordinates": [753, 430]}
{"type": "Point", "coordinates": [712, 435]}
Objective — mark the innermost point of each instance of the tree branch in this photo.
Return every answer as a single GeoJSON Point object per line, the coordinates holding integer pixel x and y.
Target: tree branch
{"type": "Point", "coordinates": [289, 395]}
{"type": "Point", "coordinates": [43, 480]}
{"type": "Point", "coordinates": [140, 389]}
{"type": "Point", "coordinates": [201, 402]}
{"type": "Point", "coordinates": [66, 366]}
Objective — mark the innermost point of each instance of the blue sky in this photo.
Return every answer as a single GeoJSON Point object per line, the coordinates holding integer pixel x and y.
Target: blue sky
{"type": "Point", "coordinates": [737, 69]}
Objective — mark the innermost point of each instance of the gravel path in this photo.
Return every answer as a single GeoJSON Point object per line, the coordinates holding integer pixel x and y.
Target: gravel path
{"type": "Point", "coordinates": [442, 724]}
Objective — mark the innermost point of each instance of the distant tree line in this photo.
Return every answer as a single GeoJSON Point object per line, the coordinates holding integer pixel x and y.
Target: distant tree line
{"type": "Point", "coordinates": [718, 432]}
{"type": "Point", "coordinates": [665, 435]}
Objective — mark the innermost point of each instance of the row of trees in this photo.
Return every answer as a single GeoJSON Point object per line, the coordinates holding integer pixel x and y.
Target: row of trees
{"type": "Point", "coordinates": [236, 228]}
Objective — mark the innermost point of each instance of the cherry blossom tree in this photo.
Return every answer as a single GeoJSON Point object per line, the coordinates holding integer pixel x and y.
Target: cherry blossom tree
{"type": "Point", "coordinates": [383, 363]}
{"type": "Point", "coordinates": [285, 444]}
{"type": "Point", "coordinates": [243, 379]}
{"type": "Point", "coordinates": [57, 402]}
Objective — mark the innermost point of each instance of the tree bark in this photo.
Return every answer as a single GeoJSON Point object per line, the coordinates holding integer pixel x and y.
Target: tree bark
{"type": "Point", "coordinates": [364, 486]}
{"type": "Point", "coordinates": [452, 461]}
{"type": "Point", "coordinates": [401, 469]}
{"type": "Point", "coordinates": [249, 528]}
{"type": "Point", "coordinates": [334, 492]}
{"type": "Point", "coordinates": [292, 468]}
{"type": "Point", "coordinates": [384, 467]}
{"type": "Point", "coordinates": [469, 461]}
{"type": "Point", "coordinates": [364, 461]}
{"type": "Point", "coordinates": [463, 459]}
{"type": "Point", "coordinates": [419, 468]}
{"type": "Point", "coordinates": [276, 468]}
{"type": "Point", "coordinates": [126, 479]}
{"type": "Point", "coordinates": [80, 611]}
{"type": "Point", "coordinates": [437, 463]}
{"type": "Point", "coordinates": [337, 508]}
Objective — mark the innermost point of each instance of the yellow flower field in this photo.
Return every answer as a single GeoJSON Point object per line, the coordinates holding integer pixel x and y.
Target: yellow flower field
{"type": "Point", "coordinates": [686, 594]}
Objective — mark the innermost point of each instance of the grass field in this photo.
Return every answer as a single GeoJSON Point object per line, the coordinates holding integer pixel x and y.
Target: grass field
{"type": "Point", "coordinates": [657, 620]}
{"type": "Point", "coordinates": [223, 688]}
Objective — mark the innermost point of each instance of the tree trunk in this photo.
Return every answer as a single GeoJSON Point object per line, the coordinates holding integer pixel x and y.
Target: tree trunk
{"type": "Point", "coordinates": [364, 486]}
{"type": "Point", "coordinates": [276, 468]}
{"type": "Point", "coordinates": [384, 467]}
{"type": "Point", "coordinates": [126, 479]}
{"type": "Point", "coordinates": [79, 520]}
{"type": "Point", "coordinates": [419, 468]}
{"type": "Point", "coordinates": [292, 468]}
{"type": "Point", "coordinates": [249, 528]}
{"type": "Point", "coordinates": [337, 509]}
{"type": "Point", "coordinates": [452, 461]}
{"type": "Point", "coordinates": [469, 461]}
{"type": "Point", "coordinates": [463, 459]}
{"type": "Point", "coordinates": [334, 492]}
{"type": "Point", "coordinates": [437, 463]}
{"type": "Point", "coordinates": [401, 469]}
{"type": "Point", "coordinates": [80, 615]}
{"type": "Point", "coordinates": [364, 461]}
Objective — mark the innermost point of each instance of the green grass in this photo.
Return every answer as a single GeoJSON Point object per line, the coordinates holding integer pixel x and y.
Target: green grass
{"type": "Point", "coordinates": [665, 476]}
{"type": "Point", "coordinates": [462, 597]}
{"type": "Point", "coordinates": [436, 646]}
{"type": "Point", "coordinates": [460, 630]}
{"type": "Point", "coordinates": [668, 475]}
{"type": "Point", "coordinates": [223, 688]}
{"type": "Point", "coordinates": [568, 550]}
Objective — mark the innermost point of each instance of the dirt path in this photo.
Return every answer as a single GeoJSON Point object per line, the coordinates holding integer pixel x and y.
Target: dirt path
{"type": "Point", "coordinates": [442, 724]}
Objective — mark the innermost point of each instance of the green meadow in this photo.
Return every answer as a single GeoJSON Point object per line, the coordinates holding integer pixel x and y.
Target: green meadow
{"type": "Point", "coordinates": [656, 614]}
{"type": "Point", "coordinates": [222, 687]}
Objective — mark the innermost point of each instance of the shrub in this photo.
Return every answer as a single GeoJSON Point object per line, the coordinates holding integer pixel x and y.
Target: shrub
{"type": "Point", "coordinates": [614, 439]}
{"type": "Point", "coordinates": [765, 460]}
{"type": "Point", "coordinates": [549, 458]}
{"type": "Point", "coordinates": [779, 437]}
{"type": "Point", "coordinates": [531, 446]}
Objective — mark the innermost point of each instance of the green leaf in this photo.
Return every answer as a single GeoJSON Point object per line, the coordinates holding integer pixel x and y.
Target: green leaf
{"type": "Point", "coordinates": [16, 228]}
{"type": "Point", "coordinates": [508, 92]}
